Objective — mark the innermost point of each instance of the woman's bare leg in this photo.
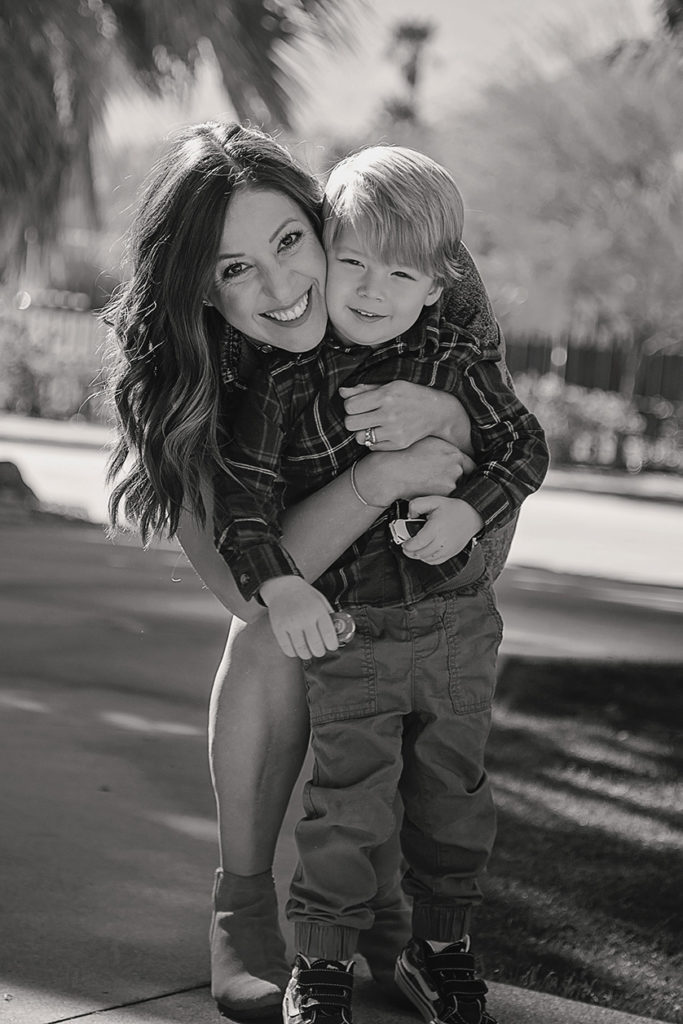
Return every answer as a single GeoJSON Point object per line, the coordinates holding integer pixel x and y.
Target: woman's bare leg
{"type": "Point", "coordinates": [258, 735]}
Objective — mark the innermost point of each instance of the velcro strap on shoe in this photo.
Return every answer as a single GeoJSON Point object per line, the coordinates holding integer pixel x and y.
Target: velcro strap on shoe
{"type": "Point", "coordinates": [467, 989]}
{"type": "Point", "coordinates": [451, 962]}
{"type": "Point", "coordinates": [326, 978]}
{"type": "Point", "coordinates": [326, 990]}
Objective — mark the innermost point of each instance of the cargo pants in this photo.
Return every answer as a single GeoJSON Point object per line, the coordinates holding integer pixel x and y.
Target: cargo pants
{"type": "Point", "coordinates": [405, 707]}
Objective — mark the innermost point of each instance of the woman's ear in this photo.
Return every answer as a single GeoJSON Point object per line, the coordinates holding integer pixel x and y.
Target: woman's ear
{"type": "Point", "coordinates": [434, 293]}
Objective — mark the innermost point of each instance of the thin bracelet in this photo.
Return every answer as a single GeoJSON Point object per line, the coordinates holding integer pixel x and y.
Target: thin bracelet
{"type": "Point", "coordinates": [360, 497]}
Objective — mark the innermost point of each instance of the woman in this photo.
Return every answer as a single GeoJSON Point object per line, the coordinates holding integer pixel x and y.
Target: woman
{"type": "Point", "coordinates": [187, 326]}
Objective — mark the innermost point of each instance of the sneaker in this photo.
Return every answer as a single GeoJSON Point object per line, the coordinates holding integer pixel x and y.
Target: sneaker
{"type": "Point", "coordinates": [443, 986]}
{"type": "Point", "coordinates": [319, 992]}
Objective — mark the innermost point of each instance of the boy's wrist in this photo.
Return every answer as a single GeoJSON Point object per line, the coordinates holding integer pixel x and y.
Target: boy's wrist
{"type": "Point", "coordinates": [275, 587]}
{"type": "Point", "coordinates": [471, 519]}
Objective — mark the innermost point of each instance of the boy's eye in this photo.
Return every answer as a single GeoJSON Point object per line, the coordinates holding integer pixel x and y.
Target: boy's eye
{"type": "Point", "coordinates": [404, 273]}
{"type": "Point", "coordinates": [352, 263]}
{"type": "Point", "coordinates": [289, 240]}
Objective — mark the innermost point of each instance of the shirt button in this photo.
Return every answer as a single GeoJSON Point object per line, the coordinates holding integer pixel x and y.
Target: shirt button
{"type": "Point", "coordinates": [245, 578]}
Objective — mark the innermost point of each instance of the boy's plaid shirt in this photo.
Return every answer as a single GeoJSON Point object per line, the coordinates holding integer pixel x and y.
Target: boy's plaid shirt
{"type": "Point", "coordinates": [289, 440]}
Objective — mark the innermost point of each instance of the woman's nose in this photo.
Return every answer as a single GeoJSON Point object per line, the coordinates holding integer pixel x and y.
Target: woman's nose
{"type": "Point", "coordinates": [276, 282]}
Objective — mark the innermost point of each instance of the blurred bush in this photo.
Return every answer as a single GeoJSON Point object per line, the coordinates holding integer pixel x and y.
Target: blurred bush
{"type": "Point", "coordinates": [591, 427]}
{"type": "Point", "coordinates": [50, 363]}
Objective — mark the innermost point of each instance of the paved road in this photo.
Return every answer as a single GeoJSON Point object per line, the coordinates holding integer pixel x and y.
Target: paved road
{"type": "Point", "coordinates": [108, 834]}
{"type": "Point", "coordinates": [562, 529]}
{"type": "Point", "coordinates": [590, 575]}
{"type": "Point", "coordinates": [108, 837]}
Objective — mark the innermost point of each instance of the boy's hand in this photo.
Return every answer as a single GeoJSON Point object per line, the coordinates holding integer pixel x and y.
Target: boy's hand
{"type": "Point", "coordinates": [451, 525]}
{"type": "Point", "coordinates": [299, 617]}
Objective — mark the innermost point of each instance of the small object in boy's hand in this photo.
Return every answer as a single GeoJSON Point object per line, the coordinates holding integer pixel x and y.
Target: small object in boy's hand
{"type": "Point", "coordinates": [403, 529]}
{"type": "Point", "coordinates": [344, 627]}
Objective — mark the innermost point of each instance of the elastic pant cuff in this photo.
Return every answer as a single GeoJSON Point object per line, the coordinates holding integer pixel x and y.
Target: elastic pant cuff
{"type": "Point", "coordinates": [441, 923]}
{"type": "Point", "coordinates": [325, 941]}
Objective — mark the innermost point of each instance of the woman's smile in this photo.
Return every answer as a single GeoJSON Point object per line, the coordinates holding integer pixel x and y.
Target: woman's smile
{"type": "Point", "coordinates": [293, 314]}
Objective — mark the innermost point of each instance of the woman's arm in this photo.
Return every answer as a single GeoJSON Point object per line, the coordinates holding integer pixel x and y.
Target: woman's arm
{"type": "Point", "coordinates": [320, 528]}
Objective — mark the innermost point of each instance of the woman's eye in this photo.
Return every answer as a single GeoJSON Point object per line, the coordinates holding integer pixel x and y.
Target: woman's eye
{"type": "Point", "coordinates": [289, 240]}
{"type": "Point", "coordinates": [232, 270]}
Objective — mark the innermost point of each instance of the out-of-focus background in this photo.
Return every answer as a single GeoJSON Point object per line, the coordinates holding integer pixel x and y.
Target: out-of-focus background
{"type": "Point", "coordinates": [562, 121]}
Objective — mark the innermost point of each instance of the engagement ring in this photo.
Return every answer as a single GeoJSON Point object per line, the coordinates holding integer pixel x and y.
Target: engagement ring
{"type": "Point", "coordinates": [370, 437]}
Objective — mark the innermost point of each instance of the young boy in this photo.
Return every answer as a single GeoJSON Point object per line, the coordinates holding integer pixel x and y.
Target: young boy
{"type": "Point", "coordinates": [405, 706]}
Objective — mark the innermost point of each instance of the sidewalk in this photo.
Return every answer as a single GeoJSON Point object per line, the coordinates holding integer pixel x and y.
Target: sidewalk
{"type": "Point", "coordinates": [109, 833]}
{"type": "Point", "coordinates": [510, 1006]}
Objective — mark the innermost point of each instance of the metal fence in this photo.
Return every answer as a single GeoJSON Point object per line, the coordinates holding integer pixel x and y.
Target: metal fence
{"type": "Point", "coordinates": [599, 365]}
{"type": "Point", "coordinates": [64, 349]}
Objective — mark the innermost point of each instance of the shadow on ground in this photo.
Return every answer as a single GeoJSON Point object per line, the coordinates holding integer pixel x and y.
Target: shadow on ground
{"type": "Point", "coordinates": [108, 840]}
{"type": "Point", "coordinates": [582, 894]}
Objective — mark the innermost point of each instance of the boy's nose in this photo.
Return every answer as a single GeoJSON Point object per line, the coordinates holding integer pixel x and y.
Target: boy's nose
{"type": "Point", "coordinates": [369, 287]}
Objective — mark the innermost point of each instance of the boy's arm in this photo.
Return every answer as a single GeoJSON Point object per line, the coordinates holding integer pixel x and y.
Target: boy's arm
{"type": "Point", "coordinates": [320, 528]}
{"type": "Point", "coordinates": [245, 513]}
{"type": "Point", "coordinates": [512, 459]}
{"type": "Point", "coordinates": [510, 450]}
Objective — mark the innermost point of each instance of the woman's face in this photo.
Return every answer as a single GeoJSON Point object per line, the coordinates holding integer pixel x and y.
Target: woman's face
{"type": "Point", "coordinates": [269, 281]}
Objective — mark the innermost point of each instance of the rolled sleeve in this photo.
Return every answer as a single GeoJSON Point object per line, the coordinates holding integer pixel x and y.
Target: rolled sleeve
{"type": "Point", "coordinates": [246, 510]}
{"type": "Point", "coordinates": [253, 565]}
{"type": "Point", "coordinates": [510, 449]}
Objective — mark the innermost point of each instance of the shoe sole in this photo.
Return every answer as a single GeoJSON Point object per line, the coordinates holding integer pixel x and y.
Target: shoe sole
{"type": "Point", "coordinates": [412, 991]}
{"type": "Point", "coordinates": [271, 1012]}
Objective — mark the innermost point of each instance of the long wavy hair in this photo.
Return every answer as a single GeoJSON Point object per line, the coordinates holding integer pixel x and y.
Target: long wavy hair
{"type": "Point", "coordinates": [166, 344]}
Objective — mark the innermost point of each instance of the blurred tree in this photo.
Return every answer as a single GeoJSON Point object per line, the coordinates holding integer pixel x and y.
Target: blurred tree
{"type": "Point", "coordinates": [60, 58]}
{"type": "Point", "coordinates": [408, 44]}
{"type": "Point", "coordinates": [671, 12]}
{"type": "Point", "coordinates": [576, 190]}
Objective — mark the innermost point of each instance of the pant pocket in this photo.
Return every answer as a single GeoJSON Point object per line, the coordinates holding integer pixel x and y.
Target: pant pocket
{"type": "Point", "coordinates": [474, 630]}
{"type": "Point", "coordinates": [343, 684]}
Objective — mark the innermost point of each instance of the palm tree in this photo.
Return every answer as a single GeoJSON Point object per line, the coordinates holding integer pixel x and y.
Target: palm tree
{"type": "Point", "coordinates": [671, 14]}
{"type": "Point", "coordinates": [60, 59]}
{"type": "Point", "coordinates": [408, 43]}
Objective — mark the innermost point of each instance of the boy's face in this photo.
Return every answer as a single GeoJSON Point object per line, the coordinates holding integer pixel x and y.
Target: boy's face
{"type": "Point", "coordinates": [369, 301]}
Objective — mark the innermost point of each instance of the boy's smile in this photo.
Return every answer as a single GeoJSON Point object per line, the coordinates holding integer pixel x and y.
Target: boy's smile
{"type": "Point", "coordinates": [370, 301]}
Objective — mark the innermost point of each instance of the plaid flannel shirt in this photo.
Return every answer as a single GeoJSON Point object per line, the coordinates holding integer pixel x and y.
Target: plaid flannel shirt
{"type": "Point", "coordinates": [289, 440]}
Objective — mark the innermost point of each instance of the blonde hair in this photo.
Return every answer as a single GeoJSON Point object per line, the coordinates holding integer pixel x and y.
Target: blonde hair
{"type": "Point", "coordinates": [406, 205]}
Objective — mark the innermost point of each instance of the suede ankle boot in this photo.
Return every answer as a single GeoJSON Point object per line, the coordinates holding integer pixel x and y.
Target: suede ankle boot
{"type": "Point", "coordinates": [249, 970]}
{"type": "Point", "coordinates": [381, 944]}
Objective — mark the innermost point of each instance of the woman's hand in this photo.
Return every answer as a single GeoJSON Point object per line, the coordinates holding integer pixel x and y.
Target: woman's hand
{"type": "Point", "coordinates": [430, 466]}
{"type": "Point", "coordinates": [401, 413]}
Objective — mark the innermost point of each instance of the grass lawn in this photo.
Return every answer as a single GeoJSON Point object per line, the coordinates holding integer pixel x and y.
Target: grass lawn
{"type": "Point", "coordinates": [583, 894]}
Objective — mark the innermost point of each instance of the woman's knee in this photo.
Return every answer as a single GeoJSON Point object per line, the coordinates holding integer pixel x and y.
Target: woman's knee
{"type": "Point", "coordinates": [257, 688]}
